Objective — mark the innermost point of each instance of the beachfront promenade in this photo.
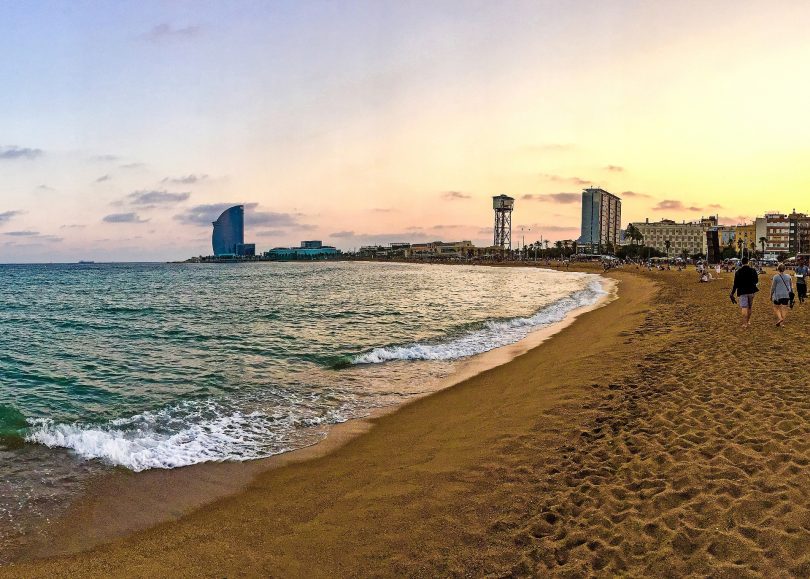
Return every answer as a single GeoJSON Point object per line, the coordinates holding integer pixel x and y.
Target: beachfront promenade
{"type": "Point", "coordinates": [652, 437]}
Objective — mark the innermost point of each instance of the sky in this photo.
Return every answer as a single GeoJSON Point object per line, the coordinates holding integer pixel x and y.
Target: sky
{"type": "Point", "coordinates": [126, 127]}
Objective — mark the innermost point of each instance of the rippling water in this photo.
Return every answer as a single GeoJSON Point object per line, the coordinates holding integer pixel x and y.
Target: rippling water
{"type": "Point", "coordinates": [164, 365]}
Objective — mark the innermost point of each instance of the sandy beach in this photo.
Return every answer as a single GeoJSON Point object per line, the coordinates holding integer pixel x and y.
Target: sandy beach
{"type": "Point", "coordinates": [651, 437]}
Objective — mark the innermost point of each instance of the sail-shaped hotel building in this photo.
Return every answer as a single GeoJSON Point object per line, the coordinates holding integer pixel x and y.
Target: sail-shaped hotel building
{"type": "Point", "coordinates": [228, 237]}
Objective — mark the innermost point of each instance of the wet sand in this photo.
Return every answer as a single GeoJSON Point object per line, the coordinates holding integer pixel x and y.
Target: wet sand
{"type": "Point", "coordinates": [650, 437]}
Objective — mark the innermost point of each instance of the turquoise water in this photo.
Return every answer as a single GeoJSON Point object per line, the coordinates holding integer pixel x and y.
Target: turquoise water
{"type": "Point", "coordinates": [144, 366]}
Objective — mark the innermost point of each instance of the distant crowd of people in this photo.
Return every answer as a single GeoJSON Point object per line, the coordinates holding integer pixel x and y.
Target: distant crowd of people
{"type": "Point", "coordinates": [784, 290]}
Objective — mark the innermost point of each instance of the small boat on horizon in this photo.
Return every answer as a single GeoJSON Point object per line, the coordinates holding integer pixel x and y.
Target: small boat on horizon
{"type": "Point", "coordinates": [84, 262]}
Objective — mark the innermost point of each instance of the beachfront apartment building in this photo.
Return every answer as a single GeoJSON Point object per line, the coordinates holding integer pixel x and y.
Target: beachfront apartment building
{"type": "Point", "coordinates": [738, 237]}
{"type": "Point", "coordinates": [684, 237]}
{"type": "Point", "coordinates": [787, 233]}
{"type": "Point", "coordinates": [799, 232]}
{"type": "Point", "coordinates": [601, 221]}
{"type": "Point", "coordinates": [745, 236]}
{"type": "Point", "coordinates": [777, 233]}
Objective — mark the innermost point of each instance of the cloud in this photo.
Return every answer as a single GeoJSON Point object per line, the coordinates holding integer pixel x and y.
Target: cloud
{"type": "Point", "coordinates": [614, 168]}
{"type": "Point", "coordinates": [157, 197]}
{"type": "Point", "coordinates": [204, 215]}
{"type": "Point", "coordinates": [105, 158]}
{"type": "Point", "coordinates": [103, 178]}
{"type": "Point", "coordinates": [674, 205]}
{"type": "Point", "coordinates": [735, 220]}
{"type": "Point", "coordinates": [26, 233]}
{"type": "Point", "coordinates": [635, 194]}
{"type": "Point", "coordinates": [455, 195]}
{"type": "Point", "coordinates": [133, 165]}
{"type": "Point", "coordinates": [342, 234]}
{"type": "Point", "coordinates": [44, 187]}
{"type": "Point", "coordinates": [14, 152]}
{"type": "Point", "coordinates": [33, 235]}
{"type": "Point", "coordinates": [7, 216]}
{"type": "Point", "coordinates": [185, 180]}
{"type": "Point", "coordinates": [554, 197]}
{"type": "Point", "coordinates": [72, 226]}
{"type": "Point", "coordinates": [166, 31]}
{"type": "Point", "coordinates": [560, 179]}
{"type": "Point", "coordinates": [714, 206]}
{"type": "Point", "coordinates": [124, 218]}
{"type": "Point", "coordinates": [447, 226]}
{"type": "Point", "coordinates": [384, 210]}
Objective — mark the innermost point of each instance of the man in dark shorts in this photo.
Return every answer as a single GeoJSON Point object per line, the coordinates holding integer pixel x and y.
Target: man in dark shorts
{"type": "Point", "coordinates": [801, 281]}
{"type": "Point", "coordinates": [745, 286]}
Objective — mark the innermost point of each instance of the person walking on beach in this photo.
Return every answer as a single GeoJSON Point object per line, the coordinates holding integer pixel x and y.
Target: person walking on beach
{"type": "Point", "coordinates": [781, 294]}
{"type": "Point", "coordinates": [746, 280]}
{"type": "Point", "coordinates": [801, 281]}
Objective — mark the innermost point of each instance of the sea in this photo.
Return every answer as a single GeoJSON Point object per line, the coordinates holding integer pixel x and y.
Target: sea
{"type": "Point", "coordinates": [160, 366]}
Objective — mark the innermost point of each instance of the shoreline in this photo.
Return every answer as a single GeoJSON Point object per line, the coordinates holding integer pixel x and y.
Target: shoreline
{"type": "Point", "coordinates": [104, 512]}
{"type": "Point", "coordinates": [633, 443]}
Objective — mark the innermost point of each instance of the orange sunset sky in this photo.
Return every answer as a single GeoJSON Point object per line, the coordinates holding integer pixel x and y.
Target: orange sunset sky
{"type": "Point", "coordinates": [125, 127]}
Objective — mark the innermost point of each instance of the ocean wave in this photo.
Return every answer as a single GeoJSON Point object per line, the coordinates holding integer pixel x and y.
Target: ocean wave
{"type": "Point", "coordinates": [12, 424]}
{"type": "Point", "coordinates": [183, 435]}
{"type": "Point", "coordinates": [493, 334]}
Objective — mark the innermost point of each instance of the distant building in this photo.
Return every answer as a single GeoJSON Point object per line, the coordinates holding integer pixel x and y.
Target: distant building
{"type": "Point", "coordinates": [761, 229]}
{"type": "Point", "coordinates": [682, 237]}
{"type": "Point", "coordinates": [229, 231]}
{"type": "Point", "coordinates": [228, 237]}
{"type": "Point", "coordinates": [246, 249]}
{"type": "Point", "coordinates": [307, 250]}
{"type": "Point", "coordinates": [787, 233]}
{"type": "Point", "coordinates": [390, 251]}
{"type": "Point", "coordinates": [745, 237]}
{"type": "Point", "coordinates": [441, 249]}
{"type": "Point", "coordinates": [738, 237]}
{"type": "Point", "coordinates": [777, 227]}
{"type": "Point", "coordinates": [799, 232]}
{"type": "Point", "coordinates": [601, 221]}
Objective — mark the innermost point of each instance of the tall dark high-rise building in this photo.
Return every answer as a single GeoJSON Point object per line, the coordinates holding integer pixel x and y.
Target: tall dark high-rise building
{"type": "Point", "coordinates": [601, 220]}
{"type": "Point", "coordinates": [229, 231]}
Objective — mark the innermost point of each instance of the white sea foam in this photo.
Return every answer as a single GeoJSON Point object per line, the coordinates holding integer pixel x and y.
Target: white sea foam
{"type": "Point", "coordinates": [179, 436]}
{"type": "Point", "coordinates": [207, 431]}
{"type": "Point", "coordinates": [493, 334]}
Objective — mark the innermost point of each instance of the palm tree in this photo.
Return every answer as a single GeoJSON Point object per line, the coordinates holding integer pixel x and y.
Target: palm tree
{"type": "Point", "coordinates": [633, 233]}
{"type": "Point", "coordinates": [667, 244]}
{"type": "Point", "coordinates": [630, 233]}
{"type": "Point", "coordinates": [559, 245]}
{"type": "Point", "coordinates": [762, 241]}
{"type": "Point", "coordinates": [565, 245]}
